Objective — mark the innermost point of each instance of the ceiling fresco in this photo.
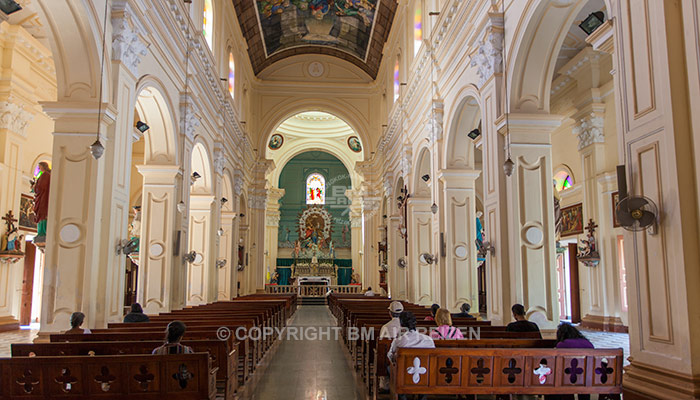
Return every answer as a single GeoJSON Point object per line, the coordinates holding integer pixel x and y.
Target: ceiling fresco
{"type": "Point", "coordinates": [354, 30]}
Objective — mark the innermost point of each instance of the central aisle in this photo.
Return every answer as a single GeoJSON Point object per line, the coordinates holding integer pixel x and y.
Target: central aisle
{"type": "Point", "coordinates": [308, 369]}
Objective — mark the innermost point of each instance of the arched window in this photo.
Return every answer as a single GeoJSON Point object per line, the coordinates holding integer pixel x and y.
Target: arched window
{"type": "Point", "coordinates": [208, 22]}
{"type": "Point", "coordinates": [563, 180]}
{"type": "Point", "coordinates": [231, 74]}
{"type": "Point", "coordinates": [315, 189]}
{"type": "Point", "coordinates": [397, 83]}
{"type": "Point", "coordinates": [417, 27]}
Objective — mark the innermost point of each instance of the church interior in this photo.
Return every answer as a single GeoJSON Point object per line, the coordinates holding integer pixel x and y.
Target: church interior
{"type": "Point", "coordinates": [213, 167]}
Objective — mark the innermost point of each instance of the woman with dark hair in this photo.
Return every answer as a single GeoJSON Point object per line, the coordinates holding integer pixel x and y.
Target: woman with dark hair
{"type": "Point", "coordinates": [173, 334]}
{"type": "Point", "coordinates": [433, 310]}
{"type": "Point", "coordinates": [568, 337]}
{"type": "Point", "coordinates": [77, 319]}
{"type": "Point", "coordinates": [136, 314]}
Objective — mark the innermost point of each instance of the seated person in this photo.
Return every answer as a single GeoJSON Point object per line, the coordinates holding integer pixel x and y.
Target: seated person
{"type": "Point", "coordinates": [76, 319]}
{"type": "Point", "coordinates": [464, 312]}
{"type": "Point", "coordinates": [445, 329]}
{"type": "Point", "coordinates": [411, 338]}
{"type": "Point", "coordinates": [568, 337]}
{"type": "Point", "coordinates": [369, 292]}
{"type": "Point", "coordinates": [173, 334]}
{"type": "Point", "coordinates": [136, 314]}
{"type": "Point", "coordinates": [433, 311]}
{"type": "Point", "coordinates": [391, 329]}
{"type": "Point", "coordinates": [521, 323]}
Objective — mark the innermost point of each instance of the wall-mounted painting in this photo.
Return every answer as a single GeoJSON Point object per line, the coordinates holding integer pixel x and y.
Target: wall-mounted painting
{"type": "Point", "coordinates": [276, 141]}
{"type": "Point", "coordinates": [345, 25]}
{"type": "Point", "coordinates": [354, 144]}
{"type": "Point", "coordinates": [572, 220]}
{"type": "Point", "coordinates": [615, 199]}
{"type": "Point", "coordinates": [26, 213]}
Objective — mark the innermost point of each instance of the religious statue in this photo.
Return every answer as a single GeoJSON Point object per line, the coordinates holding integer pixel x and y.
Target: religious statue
{"type": "Point", "coordinates": [297, 248]}
{"type": "Point", "coordinates": [558, 216]}
{"type": "Point", "coordinates": [11, 241]}
{"type": "Point", "coordinates": [41, 200]}
{"type": "Point", "coordinates": [275, 279]}
{"type": "Point", "coordinates": [588, 252]}
{"type": "Point", "coordinates": [331, 249]}
{"type": "Point", "coordinates": [135, 226]}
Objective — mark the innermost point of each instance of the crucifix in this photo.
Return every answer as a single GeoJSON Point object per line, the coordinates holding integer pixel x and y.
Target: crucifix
{"type": "Point", "coordinates": [10, 222]}
{"type": "Point", "coordinates": [591, 227]}
{"type": "Point", "coordinates": [403, 208]}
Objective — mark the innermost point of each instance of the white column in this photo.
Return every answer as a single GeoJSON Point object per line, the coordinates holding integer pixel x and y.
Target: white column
{"type": "Point", "coordinates": [422, 277]}
{"type": "Point", "coordinates": [397, 276]}
{"type": "Point", "coordinates": [200, 273]}
{"type": "Point", "coordinates": [356, 239]}
{"type": "Point", "coordinates": [272, 222]}
{"type": "Point", "coordinates": [158, 281]}
{"type": "Point", "coordinates": [370, 221]}
{"type": "Point", "coordinates": [459, 210]}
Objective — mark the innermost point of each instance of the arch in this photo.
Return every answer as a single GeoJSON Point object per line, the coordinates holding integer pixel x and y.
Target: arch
{"type": "Point", "coordinates": [340, 110]}
{"type": "Point", "coordinates": [560, 174]}
{"type": "Point", "coordinates": [76, 38]}
{"type": "Point", "coordinates": [531, 67]}
{"type": "Point", "coordinates": [300, 148]}
{"type": "Point", "coordinates": [155, 107]}
{"type": "Point", "coordinates": [202, 165]}
{"type": "Point", "coordinates": [227, 192]}
{"type": "Point", "coordinates": [423, 163]}
{"type": "Point", "coordinates": [466, 116]}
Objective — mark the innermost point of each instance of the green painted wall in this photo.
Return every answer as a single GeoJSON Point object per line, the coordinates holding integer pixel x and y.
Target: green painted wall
{"type": "Point", "coordinates": [293, 181]}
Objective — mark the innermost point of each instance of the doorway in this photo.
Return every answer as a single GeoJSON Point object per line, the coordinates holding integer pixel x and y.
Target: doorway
{"type": "Point", "coordinates": [30, 306]}
{"type": "Point", "coordinates": [568, 281]}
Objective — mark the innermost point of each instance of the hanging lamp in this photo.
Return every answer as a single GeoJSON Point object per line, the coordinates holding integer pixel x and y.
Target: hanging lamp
{"type": "Point", "coordinates": [97, 149]}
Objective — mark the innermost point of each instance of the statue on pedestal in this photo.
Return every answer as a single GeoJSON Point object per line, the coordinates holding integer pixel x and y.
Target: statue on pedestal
{"type": "Point", "coordinates": [41, 200]}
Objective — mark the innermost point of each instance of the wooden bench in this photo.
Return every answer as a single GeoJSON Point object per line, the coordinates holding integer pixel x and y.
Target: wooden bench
{"type": "Point", "coordinates": [173, 376]}
{"type": "Point", "coordinates": [223, 358]}
{"type": "Point", "coordinates": [447, 371]}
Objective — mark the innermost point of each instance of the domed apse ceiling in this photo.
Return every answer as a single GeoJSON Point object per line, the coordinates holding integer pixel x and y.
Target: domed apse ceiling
{"type": "Point", "coordinates": [353, 30]}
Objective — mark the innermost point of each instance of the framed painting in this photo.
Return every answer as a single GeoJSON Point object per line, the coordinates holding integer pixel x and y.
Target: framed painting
{"type": "Point", "coordinates": [276, 141]}
{"type": "Point", "coordinates": [572, 220]}
{"type": "Point", "coordinates": [354, 144]}
{"type": "Point", "coordinates": [26, 213]}
{"type": "Point", "coordinates": [615, 199]}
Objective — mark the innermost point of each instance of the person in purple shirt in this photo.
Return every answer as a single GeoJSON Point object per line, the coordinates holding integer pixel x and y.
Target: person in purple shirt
{"type": "Point", "coordinates": [568, 337]}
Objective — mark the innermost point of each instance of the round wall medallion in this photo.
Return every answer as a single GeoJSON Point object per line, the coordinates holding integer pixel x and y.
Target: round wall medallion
{"type": "Point", "coordinates": [198, 259]}
{"type": "Point", "coordinates": [316, 69]}
{"type": "Point", "coordinates": [70, 233]}
{"type": "Point", "coordinates": [276, 141]}
{"type": "Point", "coordinates": [156, 249]}
{"type": "Point", "coordinates": [354, 144]}
{"type": "Point", "coordinates": [534, 235]}
{"type": "Point", "coordinates": [460, 251]}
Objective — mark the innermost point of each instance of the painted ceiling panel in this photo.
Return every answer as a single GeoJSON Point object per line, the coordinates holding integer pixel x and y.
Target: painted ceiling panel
{"type": "Point", "coordinates": [353, 30]}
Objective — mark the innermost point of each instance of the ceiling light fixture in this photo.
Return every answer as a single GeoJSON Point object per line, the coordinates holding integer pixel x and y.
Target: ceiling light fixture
{"type": "Point", "coordinates": [592, 22]}
{"type": "Point", "coordinates": [9, 6]}
{"type": "Point", "coordinates": [142, 126]}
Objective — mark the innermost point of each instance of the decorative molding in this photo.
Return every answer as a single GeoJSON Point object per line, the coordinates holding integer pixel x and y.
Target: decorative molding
{"type": "Point", "coordinates": [406, 162]}
{"type": "Point", "coordinates": [589, 130]}
{"type": "Point", "coordinates": [433, 128]}
{"type": "Point", "coordinates": [272, 219]}
{"type": "Point", "coordinates": [127, 45]}
{"type": "Point", "coordinates": [257, 202]}
{"type": "Point", "coordinates": [219, 161]}
{"type": "Point", "coordinates": [189, 113]}
{"type": "Point", "coordinates": [14, 117]}
{"type": "Point", "coordinates": [238, 182]}
{"type": "Point", "coordinates": [388, 184]}
{"type": "Point", "coordinates": [489, 56]}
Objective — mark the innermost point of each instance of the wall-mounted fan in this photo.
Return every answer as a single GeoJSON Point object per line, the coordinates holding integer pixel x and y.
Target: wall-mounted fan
{"type": "Point", "coordinates": [634, 213]}
{"type": "Point", "coordinates": [401, 262]}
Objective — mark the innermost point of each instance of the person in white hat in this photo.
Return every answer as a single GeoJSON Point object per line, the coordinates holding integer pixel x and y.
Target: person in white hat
{"type": "Point", "coordinates": [391, 329]}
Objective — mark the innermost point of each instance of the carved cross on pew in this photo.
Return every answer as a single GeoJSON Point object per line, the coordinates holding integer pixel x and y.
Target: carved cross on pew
{"type": "Point", "coordinates": [448, 370]}
{"type": "Point", "coordinates": [27, 381]}
{"type": "Point", "coordinates": [105, 380]}
{"type": "Point", "coordinates": [574, 371]}
{"type": "Point", "coordinates": [183, 375]}
{"type": "Point", "coordinates": [66, 380]}
{"type": "Point", "coordinates": [512, 370]}
{"type": "Point", "coordinates": [144, 377]}
{"type": "Point", "coordinates": [480, 371]}
{"type": "Point", "coordinates": [604, 371]}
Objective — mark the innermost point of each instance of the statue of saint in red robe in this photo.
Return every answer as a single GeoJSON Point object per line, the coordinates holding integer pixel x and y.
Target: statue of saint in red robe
{"type": "Point", "coordinates": [41, 198]}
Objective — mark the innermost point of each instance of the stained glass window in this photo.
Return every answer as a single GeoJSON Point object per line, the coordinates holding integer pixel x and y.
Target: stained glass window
{"type": "Point", "coordinates": [397, 83]}
{"type": "Point", "coordinates": [315, 189]}
{"type": "Point", "coordinates": [208, 22]}
{"type": "Point", "coordinates": [417, 27]}
{"type": "Point", "coordinates": [231, 74]}
{"type": "Point", "coordinates": [562, 180]}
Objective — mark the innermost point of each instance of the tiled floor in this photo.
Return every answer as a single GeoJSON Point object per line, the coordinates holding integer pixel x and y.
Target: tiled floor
{"type": "Point", "coordinates": [20, 336]}
{"type": "Point", "coordinates": [308, 369]}
{"type": "Point", "coordinates": [610, 340]}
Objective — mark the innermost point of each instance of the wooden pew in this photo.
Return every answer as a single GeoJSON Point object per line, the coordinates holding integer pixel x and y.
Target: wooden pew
{"type": "Point", "coordinates": [243, 346]}
{"type": "Point", "coordinates": [223, 357]}
{"type": "Point", "coordinates": [172, 376]}
{"type": "Point", "coordinates": [449, 371]}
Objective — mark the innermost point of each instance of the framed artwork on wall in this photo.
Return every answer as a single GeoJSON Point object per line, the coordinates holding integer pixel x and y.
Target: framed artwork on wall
{"type": "Point", "coordinates": [276, 141]}
{"type": "Point", "coordinates": [26, 213]}
{"type": "Point", "coordinates": [572, 220]}
{"type": "Point", "coordinates": [615, 199]}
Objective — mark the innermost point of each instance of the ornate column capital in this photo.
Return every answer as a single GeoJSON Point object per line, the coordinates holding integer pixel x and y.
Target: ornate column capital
{"type": "Point", "coordinates": [489, 55]}
{"type": "Point", "coordinates": [127, 45]}
{"type": "Point", "coordinates": [433, 127]}
{"type": "Point", "coordinates": [14, 117]}
{"type": "Point", "coordinates": [219, 161]}
{"type": "Point", "coordinates": [272, 219]}
{"type": "Point", "coordinates": [188, 114]}
{"type": "Point", "coordinates": [589, 130]}
{"type": "Point", "coordinates": [388, 182]}
{"type": "Point", "coordinates": [406, 162]}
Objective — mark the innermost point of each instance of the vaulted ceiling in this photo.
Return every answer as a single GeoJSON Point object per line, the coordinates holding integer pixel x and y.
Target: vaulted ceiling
{"type": "Point", "coordinates": [352, 30]}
